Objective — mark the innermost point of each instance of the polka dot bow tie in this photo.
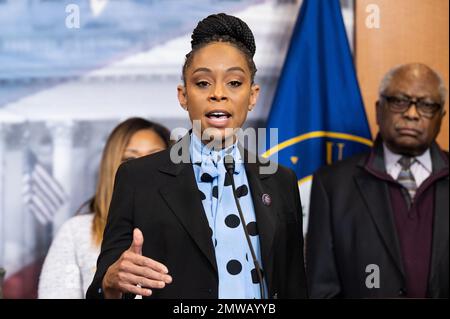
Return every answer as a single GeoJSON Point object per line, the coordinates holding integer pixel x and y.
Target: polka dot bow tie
{"type": "Point", "coordinates": [209, 168]}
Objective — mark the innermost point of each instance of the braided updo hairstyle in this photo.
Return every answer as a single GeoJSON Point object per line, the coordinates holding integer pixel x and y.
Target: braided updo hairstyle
{"type": "Point", "coordinates": [223, 28]}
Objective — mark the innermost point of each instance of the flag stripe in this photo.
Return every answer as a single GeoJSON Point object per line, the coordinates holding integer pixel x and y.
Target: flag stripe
{"type": "Point", "coordinates": [40, 172]}
{"type": "Point", "coordinates": [44, 199]}
{"type": "Point", "coordinates": [44, 210]}
{"type": "Point", "coordinates": [45, 193]}
{"type": "Point", "coordinates": [40, 214]}
{"type": "Point", "coordinates": [42, 194]}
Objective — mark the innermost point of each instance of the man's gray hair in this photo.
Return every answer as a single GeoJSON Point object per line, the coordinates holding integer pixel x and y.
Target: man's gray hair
{"type": "Point", "coordinates": [386, 81]}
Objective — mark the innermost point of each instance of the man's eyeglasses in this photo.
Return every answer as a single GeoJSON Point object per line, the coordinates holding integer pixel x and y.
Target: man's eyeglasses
{"type": "Point", "coordinates": [402, 104]}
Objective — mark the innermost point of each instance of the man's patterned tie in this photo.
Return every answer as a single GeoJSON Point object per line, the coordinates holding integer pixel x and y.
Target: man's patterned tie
{"type": "Point", "coordinates": [406, 178]}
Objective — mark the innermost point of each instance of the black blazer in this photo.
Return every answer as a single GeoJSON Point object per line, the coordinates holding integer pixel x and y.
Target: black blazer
{"type": "Point", "coordinates": [162, 199]}
{"type": "Point", "coordinates": [352, 225]}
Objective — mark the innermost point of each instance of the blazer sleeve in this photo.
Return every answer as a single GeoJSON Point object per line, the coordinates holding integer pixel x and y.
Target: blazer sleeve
{"type": "Point", "coordinates": [118, 234]}
{"type": "Point", "coordinates": [321, 270]}
{"type": "Point", "coordinates": [296, 267]}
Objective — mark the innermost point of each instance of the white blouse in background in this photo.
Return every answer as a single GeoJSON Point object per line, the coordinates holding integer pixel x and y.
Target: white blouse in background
{"type": "Point", "coordinates": [71, 261]}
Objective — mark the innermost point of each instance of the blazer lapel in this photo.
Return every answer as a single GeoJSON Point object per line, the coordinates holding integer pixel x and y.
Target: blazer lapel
{"type": "Point", "coordinates": [376, 196]}
{"type": "Point", "coordinates": [266, 216]}
{"type": "Point", "coordinates": [374, 189]}
{"type": "Point", "coordinates": [183, 198]}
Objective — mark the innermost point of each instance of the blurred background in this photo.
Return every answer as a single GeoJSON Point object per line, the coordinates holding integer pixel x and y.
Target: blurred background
{"type": "Point", "coordinates": [64, 86]}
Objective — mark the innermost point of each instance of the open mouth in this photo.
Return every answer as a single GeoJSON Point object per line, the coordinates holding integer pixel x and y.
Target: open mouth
{"type": "Point", "coordinates": [218, 119]}
{"type": "Point", "coordinates": [218, 115]}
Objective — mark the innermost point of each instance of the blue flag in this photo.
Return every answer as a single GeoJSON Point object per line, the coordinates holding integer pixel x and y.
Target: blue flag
{"type": "Point", "coordinates": [318, 108]}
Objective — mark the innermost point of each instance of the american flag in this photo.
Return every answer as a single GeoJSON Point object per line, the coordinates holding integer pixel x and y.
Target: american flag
{"type": "Point", "coordinates": [42, 194]}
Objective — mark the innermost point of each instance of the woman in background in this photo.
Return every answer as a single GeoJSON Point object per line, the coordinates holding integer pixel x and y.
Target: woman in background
{"type": "Point", "coordinates": [71, 261]}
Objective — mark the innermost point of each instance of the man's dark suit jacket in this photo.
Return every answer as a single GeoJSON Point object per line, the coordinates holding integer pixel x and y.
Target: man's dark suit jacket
{"type": "Point", "coordinates": [351, 225]}
{"type": "Point", "coordinates": [162, 200]}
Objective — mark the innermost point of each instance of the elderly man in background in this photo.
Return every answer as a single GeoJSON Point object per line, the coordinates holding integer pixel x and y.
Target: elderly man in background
{"type": "Point", "coordinates": [379, 222]}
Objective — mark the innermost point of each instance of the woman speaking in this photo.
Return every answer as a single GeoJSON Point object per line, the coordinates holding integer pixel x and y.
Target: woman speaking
{"type": "Point", "coordinates": [212, 225]}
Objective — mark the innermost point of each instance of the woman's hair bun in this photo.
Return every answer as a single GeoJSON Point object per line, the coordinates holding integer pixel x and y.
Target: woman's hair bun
{"type": "Point", "coordinates": [221, 24]}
